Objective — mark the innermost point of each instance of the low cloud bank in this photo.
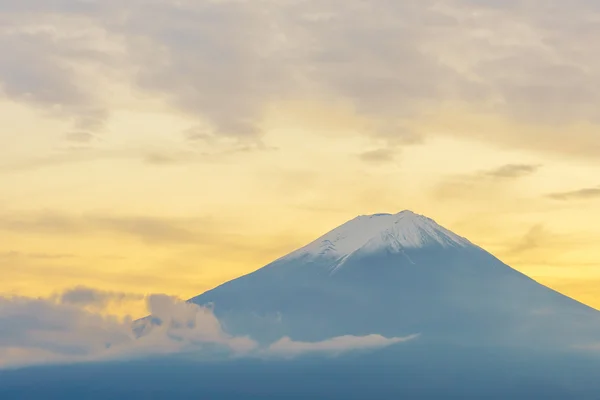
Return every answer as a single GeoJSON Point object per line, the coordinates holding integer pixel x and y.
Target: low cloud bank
{"type": "Point", "coordinates": [288, 348]}
{"type": "Point", "coordinates": [64, 329]}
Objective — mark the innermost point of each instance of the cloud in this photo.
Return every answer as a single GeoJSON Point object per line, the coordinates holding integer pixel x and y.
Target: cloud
{"type": "Point", "coordinates": [84, 296]}
{"type": "Point", "coordinates": [190, 324]}
{"type": "Point", "coordinates": [548, 252]}
{"type": "Point", "coordinates": [74, 155]}
{"type": "Point", "coordinates": [378, 155]}
{"type": "Point", "coordinates": [80, 137]}
{"type": "Point", "coordinates": [161, 159]}
{"type": "Point", "coordinates": [147, 229]}
{"type": "Point", "coordinates": [595, 347]}
{"type": "Point", "coordinates": [395, 63]}
{"type": "Point", "coordinates": [485, 181]}
{"type": "Point", "coordinates": [536, 237]}
{"type": "Point", "coordinates": [67, 157]}
{"type": "Point", "coordinates": [79, 151]}
{"type": "Point", "coordinates": [62, 330]}
{"type": "Point", "coordinates": [39, 331]}
{"type": "Point", "coordinates": [581, 194]}
{"type": "Point", "coordinates": [511, 171]}
{"type": "Point", "coordinates": [289, 348]}
{"type": "Point", "coordinates": [11, 255]}
{"type": "Point", "coordinates": [49, 52]}
{"type": "Point", "coordinates": [164, 158]}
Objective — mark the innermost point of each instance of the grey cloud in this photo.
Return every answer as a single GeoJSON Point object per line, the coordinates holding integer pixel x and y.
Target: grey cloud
{"type": "Point", "coordinates": [55, 6]}
{"type": "Point", "coordinates": [369, 53]}
{"type": "Point", "coordinates": [24, 77]}
{"type": "Point", "coordinates": [38, 331]}
{"type": "Point", "coordinates": [48, 161]}
{"type": "Point", "coordinates": [227, 61]}
{"type": "Point", "coordinates": [512, 171]}
{"type": "Point", "coordinates": [378, 155]}
{"type": "Point", "coordinates": [390, 59]}
{"type": "Point", "coordinates": [81, 152]}
{"type": "Point", "coordinates": [223, 145]}
{"type": "Point", "coordinates": [151, 230]}
{"type": "Point", "coordinates": [536, 237]}
{"type": "Point", "coordinates": [148, 229]}
{"type": "Point", "coordinates": [43, 223]}
{"type": "Point", "coordinates": [176, 158]}
{"type": "Point", "coordinates": [80, 137]}
{"type": "Point", "coordinates": [219, 59]}
{"type": "Point", "coordinates": [85, 296]}
{"type": "Point", "coordinates": [11, 255]}
{"type": "Point", "coordinates": [42, 70]}
{"type": "Point", "coordinates": [538, 241]}
{"type": "Point", "coordinates": [581, 194]}
{"type": "Point", "coordinates": [161, 159]}
{"type": "Point", "coordinates": [459, 185]}
{"type": "Point", "coordinates": [169, 158]}
{"type": "Point", "coordinates": [72, 155]}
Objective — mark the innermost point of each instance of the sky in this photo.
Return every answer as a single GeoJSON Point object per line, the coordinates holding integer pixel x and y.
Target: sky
{"type": "Point", "coordinates": [167, 146]}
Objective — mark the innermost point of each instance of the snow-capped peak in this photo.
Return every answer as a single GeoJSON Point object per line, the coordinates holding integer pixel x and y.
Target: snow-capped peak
{"type": "Point", "coordinates": [394, 232]}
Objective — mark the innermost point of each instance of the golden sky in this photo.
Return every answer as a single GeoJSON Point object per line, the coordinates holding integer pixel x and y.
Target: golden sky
{"type": "Point", "coordinates": [168, 146]}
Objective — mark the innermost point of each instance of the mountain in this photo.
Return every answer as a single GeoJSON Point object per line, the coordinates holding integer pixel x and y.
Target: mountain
{"type": "Point", "coordinates": [486, 330]}
{"type": "Point", "coordinates": [398, 275]}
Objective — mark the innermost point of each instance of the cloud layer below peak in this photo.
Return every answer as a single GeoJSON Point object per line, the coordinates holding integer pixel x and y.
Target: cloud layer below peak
{"type": "Point", "coordinates": [63, 329]}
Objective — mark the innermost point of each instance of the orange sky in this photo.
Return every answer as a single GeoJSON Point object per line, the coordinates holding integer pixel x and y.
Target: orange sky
{"type": "Point", "coordinates": [169, 148]}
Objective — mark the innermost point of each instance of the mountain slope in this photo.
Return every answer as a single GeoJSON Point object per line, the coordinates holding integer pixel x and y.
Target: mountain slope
{"type": "Point", "coordinates": [397, 275]}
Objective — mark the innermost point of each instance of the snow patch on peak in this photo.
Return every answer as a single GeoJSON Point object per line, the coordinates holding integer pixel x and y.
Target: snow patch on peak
{"type": "Point", "coordinates": [390, 232]}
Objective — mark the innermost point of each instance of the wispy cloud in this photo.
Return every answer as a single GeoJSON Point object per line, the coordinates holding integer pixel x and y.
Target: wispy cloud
{"type": "Point", "coordinates": [80, 137]}
{"type": "Point", "coordinates": [81, 151]}
{"type": "Point", "coordinates": [511, 171]}
{"type": "Point", "coordinates": [534, 238]}
{"type": "Point", "coordinates": [378, 156]}
{"type": "Point", "coordinates": [11, 255]}
{"type": "Point", "coordinates": [581, 194]}
{"type": "Point", "coordinates": [466, 184]}
{"type": "Point", "coordinates": [83, 296]}
{"type": "Point", "coordinates": [163, 159]}
{"type": "Point", "coordinates": [286, 347]}
{"type": "Point", "coordinates": [148, 229]}
{"type": "Point", "coordinates": [68, 157]}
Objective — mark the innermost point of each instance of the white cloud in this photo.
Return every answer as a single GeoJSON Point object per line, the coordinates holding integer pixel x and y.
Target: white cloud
{"type": "Point", "coordinates": [288, 348]}
{"type": "Point", "coordinates": [588, 347]}
{"type": "Point", "coordinates": [48, 331]}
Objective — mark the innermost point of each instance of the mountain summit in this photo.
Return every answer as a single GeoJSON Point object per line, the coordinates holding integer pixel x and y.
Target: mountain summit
{"type": "Point", "coordinates": [397, 275]}
{"type": "Point", "coordinates": [372, 233]}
